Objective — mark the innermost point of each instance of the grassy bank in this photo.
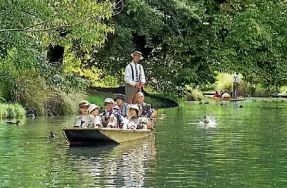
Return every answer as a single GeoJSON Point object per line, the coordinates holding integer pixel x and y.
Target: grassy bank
{"type": "Point", "coordinates": [98, 98]}
{"type": "Point", "coordinates": [11, 111]}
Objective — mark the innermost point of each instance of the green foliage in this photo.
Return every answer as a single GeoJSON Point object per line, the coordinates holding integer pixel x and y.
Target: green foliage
{"type": "Point", "coordinates": [183, 43]}
{"type": "Point", "coordinates": [98, 98]}
{"type": "Point", "coordinates": [27, 29]}
{"type": "Point", "coordinates": [186, 42]}
{"type": "Point", "coordinates": [251, 39]}
{"type": "Point", "coordinates": [224, 82]}
{"type": "Point", "coordinates": [193, 94]}
{"type": "Point", "coordinates": [170, 35]}
{"type": "Point", "coordinates": [11, 111]}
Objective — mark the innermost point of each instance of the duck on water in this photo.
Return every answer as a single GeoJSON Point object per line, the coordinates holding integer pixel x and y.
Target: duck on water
{"type": "Point", "coordinates": [18, 122]}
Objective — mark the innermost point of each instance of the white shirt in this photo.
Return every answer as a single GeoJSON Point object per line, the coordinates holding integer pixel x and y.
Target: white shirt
{"type": "Point", "coordinates": [235, 78]}
{"type": "Point", "coordinates": [129, 77]}
{"type": "Point", "coordinates": [98, 121]}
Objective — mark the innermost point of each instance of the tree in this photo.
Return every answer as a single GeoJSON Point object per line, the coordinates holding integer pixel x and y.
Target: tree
{"type": "Point", "coordinates": [252, 40]}
{"type": "Point", "coordinates": [173, 36]}
{"type": "Point", "coordinates": [29, 27]}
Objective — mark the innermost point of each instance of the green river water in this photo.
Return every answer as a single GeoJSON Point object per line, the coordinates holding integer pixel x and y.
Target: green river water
{"type": "Point", "coordinates": [246, 148]}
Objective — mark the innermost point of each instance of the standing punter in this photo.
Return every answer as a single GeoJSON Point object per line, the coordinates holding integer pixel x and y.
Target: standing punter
{"type": "Point", "coordinates": [134, 77]}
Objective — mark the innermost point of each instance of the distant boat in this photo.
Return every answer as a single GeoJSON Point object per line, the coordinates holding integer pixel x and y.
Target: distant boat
{"type": "Point", "coordinates": [100, 136]}
{"type": "Point", "coordinates": [279, 95]}
{"type": "Point", "coordinates": [228, 99]}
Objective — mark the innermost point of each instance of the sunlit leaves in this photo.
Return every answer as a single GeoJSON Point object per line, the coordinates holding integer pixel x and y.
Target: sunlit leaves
{"type": "Point", "coordinates": [255, 42]}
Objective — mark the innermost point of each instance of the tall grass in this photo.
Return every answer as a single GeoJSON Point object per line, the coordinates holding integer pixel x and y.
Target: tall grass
{"type": "Point", "coordinates": [11, 111]}
{"type": "Point", "coordinates": [40, 99]}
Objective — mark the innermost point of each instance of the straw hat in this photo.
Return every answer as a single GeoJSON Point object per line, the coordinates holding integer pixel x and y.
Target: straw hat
{"type": "Point", "coordinates": [84, 103]}
{"type": "Point", "coordinates": [137, 53]}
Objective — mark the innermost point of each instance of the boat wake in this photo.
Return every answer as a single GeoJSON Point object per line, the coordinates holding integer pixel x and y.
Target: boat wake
{"type": "Point", "coordinates": [208, 125]}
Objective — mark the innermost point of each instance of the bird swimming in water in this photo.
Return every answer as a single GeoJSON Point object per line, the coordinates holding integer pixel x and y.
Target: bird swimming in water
{"type": "Point", "coordinates": [51, 136]}
{"type": "Point", "coordinates": [200, 102]}
{"type": "Point", "coordinates": [205, 120]}
{"type": "Point", "coordinates": [13, 122]}
{"type": "Point", "coordinates": [206, 102]}
{"type": "Point", "coordinates": [240, 106]}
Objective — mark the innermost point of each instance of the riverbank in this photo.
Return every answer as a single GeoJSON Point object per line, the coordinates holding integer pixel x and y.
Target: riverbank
{"type": "Point", "coordinates": [10, 111]}
{"type": "Point", "coordinates": [157, 101]}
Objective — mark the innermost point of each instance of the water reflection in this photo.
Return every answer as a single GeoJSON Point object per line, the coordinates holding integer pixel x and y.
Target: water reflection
{"type": "Point", "coordinates": [114, 166]}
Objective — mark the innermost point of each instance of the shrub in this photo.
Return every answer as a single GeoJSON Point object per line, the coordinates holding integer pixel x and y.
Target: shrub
{"type": "Point", "coordinates": [11, 111]}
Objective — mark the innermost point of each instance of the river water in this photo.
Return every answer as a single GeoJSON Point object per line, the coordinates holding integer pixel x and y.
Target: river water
{"type": "Point", "coordinates": [245, 148]}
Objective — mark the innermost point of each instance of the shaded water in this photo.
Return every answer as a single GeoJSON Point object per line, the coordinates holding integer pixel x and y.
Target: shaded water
{"type": "Point", "coordinates": [246, 148]}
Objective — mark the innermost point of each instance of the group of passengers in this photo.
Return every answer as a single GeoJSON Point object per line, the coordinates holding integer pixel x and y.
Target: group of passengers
{"type": "Point", "coordinates": [223, 94]}
{"type": "Point", "coordinates": [116, 114]}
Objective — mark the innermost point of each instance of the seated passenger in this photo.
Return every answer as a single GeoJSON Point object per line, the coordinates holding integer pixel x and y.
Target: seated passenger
{"type": "Point", "coordinates": [221, 93]}
{"type": "Point", "coordinates": [133, 116]}
{"type": "Point", "coordinates": [216, 94]}
{"type": "Point", "coordinates": [84, 120]}
{"type": "Point", "coordinates": [107, 115]}
{"type": "Point", "coordinates": [94, 111]}
{"type": "Point", "coordinates": [225, 94]}
{"type": "Point", "coordinates": [119, 117]}
{"type": "Point", "coordinates": [120, 99]}
{"type": "Point", "coordinates": [145, 109]}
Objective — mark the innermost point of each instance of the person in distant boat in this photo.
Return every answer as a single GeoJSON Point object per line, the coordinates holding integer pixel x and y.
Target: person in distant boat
{"type": "Point", "coordinates": [235, 85]}
{"type": "Point", "coordinates": [107, 115]}
{"type": "Point", "coordinates": [84, 120]}
{"type": "Point", "coordinates": [216, 94]}
{"type": "Point", "coordinates": [94, 111]}
{"type": "Point", "coordinates": [133, 116]}
{"type": "Point", "coordinates": [225, 95]}
{"type": "Point", "coordinates": [134, 77]}
{"type": "Point", "coordinates": [221, 93]}
{"type": "Point", "coordinates": [120, 99]}
{"type": "Point", "coordinates": [145, 109]}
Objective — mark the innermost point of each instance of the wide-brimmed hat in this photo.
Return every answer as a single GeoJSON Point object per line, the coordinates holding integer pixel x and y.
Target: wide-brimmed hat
{"type": "Point", "coordinates": [84, 103]}
{"type": "Point", "coordinates": [109, 101]}
{"type": "Point", "coordinates": [92, 107]}
{"type": "Point", "coordinates": [137, 53]}
{"type": "Point", "coordinates": [120, 96]}
{"type": "Point", "coordinates": [133, 106]}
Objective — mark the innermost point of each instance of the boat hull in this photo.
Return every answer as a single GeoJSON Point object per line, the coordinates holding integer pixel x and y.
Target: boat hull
{"type": "Point", "coordinates": [102, 136]}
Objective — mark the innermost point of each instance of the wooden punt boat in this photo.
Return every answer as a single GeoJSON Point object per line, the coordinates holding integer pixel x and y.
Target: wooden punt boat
{"type": "Point", "coordinates": [102, 136]}
{"type": "Point", "coordinates": [228, 99]}
{"type": "Point", "coordinates": [279, 95]}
